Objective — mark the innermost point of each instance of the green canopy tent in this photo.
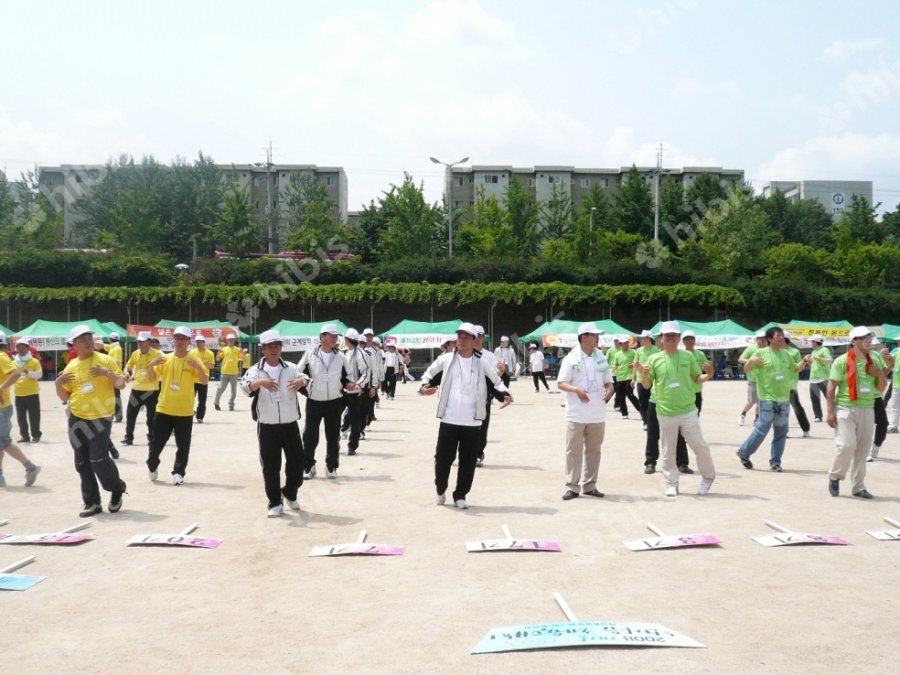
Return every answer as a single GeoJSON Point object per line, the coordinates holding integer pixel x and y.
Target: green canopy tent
{"type": "Point", "coordinates": [7, 331]}
{"type": "Point", "coordinates": [214, 323]}
{"type": "Point", "coordinates": [891, 332]}
{"type": "Point", "coordinates": [834, 333]}
{"type": "Point", "coordinates": [298, 336]}
{"type": "Point", "coordinates": [563, 333]}
{"type": "Point", "coordinates": [421, 334]}
{"type": "Point", "coordinates": [726, 334]}
{"type": "Point", "coordinates": [51, 335]}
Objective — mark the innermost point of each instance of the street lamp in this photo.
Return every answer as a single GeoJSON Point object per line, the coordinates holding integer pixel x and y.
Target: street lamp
{"type": "Point", "coordinates": [591, 232]}
{"type": "Point", "coordinates": [449, 198]}
{"type": "Point", "coordinates": [269, 221]}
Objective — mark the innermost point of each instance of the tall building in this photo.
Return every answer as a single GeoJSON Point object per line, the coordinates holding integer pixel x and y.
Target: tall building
{"type": "Point", "coordinates": [833, 195]}
{"type": "Point", "coordinates": [64, 185]}
{"type": "Point", "coordinates": [572, 181]}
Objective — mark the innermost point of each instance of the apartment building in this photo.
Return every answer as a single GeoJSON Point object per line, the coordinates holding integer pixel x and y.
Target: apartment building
{"type": "Point", "coordinates": [833, 195]}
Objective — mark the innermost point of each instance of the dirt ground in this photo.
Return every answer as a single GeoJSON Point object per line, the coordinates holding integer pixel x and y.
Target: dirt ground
{"type": "Point", "coordinates": [258, 603]}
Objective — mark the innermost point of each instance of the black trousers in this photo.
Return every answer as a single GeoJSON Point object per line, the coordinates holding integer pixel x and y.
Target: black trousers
{"type": "Point", "coordinates": [390, 382]}
{"type": "Point", "coordinates": [881, 422]}
{"type": "Point", "coordinates": [453, 439]}
{"type": "Point", "coordinates": [316, 412]}
{"type": "Point", "coordinates": [118, 412]}
{"type": "Point", "coordinates": [201, 390]}
{"type": "Point", "coordinates": [651, 450]}
{"type": "Point", "coordinates": [799, 412]}
{"type": "Point", "coordinates": [367, 408]}
{"type": "Point", "coordinates": [681, 446]}
{"type": "Point", "coordinates": [539, 376]}
{"type": "Point", "coordinates": [353, 418]}
{"type": "Point", "coordinates": [137, 400]}
{"type": "Point", "coordinates": [643, 396]}
{"type": "Point", "coordinates": [275, 439]}
{"type": "Point", "coordinates": [623, 391]}
{"type": "Point", "coordinates": [815, 390]}
{"type": "Point", "coordinates": [28, 409]}
{"type": "Point", "coordinates": [505, 378]}
{"type": "Point", "coordinates": [90, 441]}
{"type": "Point", "coordinates": [163, 426]}
{"type": "Point", "coordinates": [482, 440]}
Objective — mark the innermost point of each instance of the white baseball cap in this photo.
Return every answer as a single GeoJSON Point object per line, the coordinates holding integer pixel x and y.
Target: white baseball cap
{"type": "Point", "coordinates": [646, 333]}
{"type": "Point", "coordinates": [76, 332]}
{"type": "Point", "coordinates": [504, 339]}
{"type": "Point", "coordinates": [114, 336]}
{"type": "Point", "coordinates": [368, 331]}
{"type": "Point", "coordinates": [817, 338]}
{"type": "Point", "coordinates": [589, 327]}
{"type": "Point", "coordinates": [687, 334]}
{"type": "Point", "coordinates": [670, 327]}
{"type": "Point", "coordinates": [230, 336]}
{"type": "Point", "coordinates": [269, 336]}
{"type": "Point", "coordinates": [197, 338]}
{"type": "Point", "coordinates": [760, 334]}
{"type": "Point", "coordinates": [352, 334]}
{"type": "Point", "coordinates": [479, 329]}
{"type": "Point", "coordinates": [376, 340]}
{"type": "Point", "coordinates": [143, 336]}
{"type": "Point", "coordinates": [24, 340]}
{"type": "Point", "coordinates": [860, 332]}
{"type": "Point", "coordinates": [467, 327]}
{"type": "Point", "coordinates": [330, 328]}
{"type": "Point", "coordinates": [183, 331]}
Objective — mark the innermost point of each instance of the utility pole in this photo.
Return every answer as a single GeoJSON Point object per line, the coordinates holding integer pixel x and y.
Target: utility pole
{"type": "Point", "coordinates": [656, 193]}
{"type": "Point", "coordinates": [269, 219]}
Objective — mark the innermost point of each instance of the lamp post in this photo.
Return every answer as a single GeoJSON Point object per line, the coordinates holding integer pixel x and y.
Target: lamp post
{"type": "Point", "coordinates": [449, 168]}
{"type": "Point", "coordinates": [591, 232]}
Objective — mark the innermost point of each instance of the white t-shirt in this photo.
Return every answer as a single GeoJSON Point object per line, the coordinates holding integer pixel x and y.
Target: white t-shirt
{"type": "Point", "coordinates": [461, 399]}
{"type": "Point", "coordinates": [536, 361]}
{"type": "Point", "coordinates": [591, 373]}
{"type": "Point", "coordinates": [391, 360]}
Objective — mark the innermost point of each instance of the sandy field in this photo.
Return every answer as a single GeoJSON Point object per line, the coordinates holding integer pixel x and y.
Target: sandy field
{"type": "Point", "coordinates": [259, 604]}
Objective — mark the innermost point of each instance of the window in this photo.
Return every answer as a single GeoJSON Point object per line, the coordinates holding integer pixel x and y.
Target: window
{"type": "Point", "coordinates": [553, 180]}
{"type": "Point", "coordinates": [531, 182]}
{"type": "Point", "coordinates": [274, 205]}
{"type": "Point", "coordinates": [244, 175]}
{"type": "Point", "coordinates": [274, 179]}
{"type": "Point", "coordinates": [585, 182]}
{"type": "Point", "coordinates": [459, 181]}
{"type": "Point", "coordinates": [257, 180]}
{"type": "Point", "coordinates": [329, 181]}
{"type": "Point", "coordinates": [491, 179]}
{"type": "Point", "coordinates": [457, 204]}
{"type": "Point", "coordinates": [604, 182]}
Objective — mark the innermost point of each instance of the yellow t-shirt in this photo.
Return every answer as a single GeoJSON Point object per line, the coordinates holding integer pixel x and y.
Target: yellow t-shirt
{"type": "Point", "coordinates": [231, 359]}
{"type": "Point", "coordinates": [207, 357]}
{"type": "Point", "coordinates": [246, 360]}
{"type": "Point", "coordinates": [6, 368]}
{"type": "Point", "coordinates": [91, 398]}
{"type": "Point", "coordinates": [137, 364]}
{"type": "Point", "coordinates": [176, 395]}
{"type": "Point", "coordinates": [115, 352]}
{"type": "Point", "coordinates": [28, 386]}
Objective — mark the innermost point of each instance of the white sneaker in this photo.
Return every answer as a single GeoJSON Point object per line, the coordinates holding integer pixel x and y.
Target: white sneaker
{"type": "Point", "coordinates": [31, 476]}
{"type": "Point", "coordinates": [703, 488]}
{"type": "Point", "coordinates": [275, 511]}
{"type": "Point", "coordinates": [153, 475]}
{"type": "Point", "coordinates": [177, 479]}
{"type": "Point", "coordinates": [377, 404]}
{"type": "Point", "coordinates": [293, 504]}
{"type": "Point", "coordinates": [741, 419]}
{"type": "Point", "coordinates": [331, 473]}
{"type": "Point", "coordinates": [345, 435]}
{"type": "Point", "coordinates": [479, 462]}
{"type": "Point", "coordinates": [310, 474]}
{"type": "Point", "coordinates": [893, 430]}
{"type": "Point", "coordinates": [440, 500]}
{"type": "Point", "coordinates": [805, 434]}
{"type": "Point", "coordinates": [461, 504]}
{"type": "Point", "coordinates": [672, 490]}
{"type": "Point", "coordinates": [873, 453]}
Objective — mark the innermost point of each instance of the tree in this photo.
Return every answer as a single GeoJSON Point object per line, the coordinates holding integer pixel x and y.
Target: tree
{"type": "Point", "coordinates": [7, 203]}
{"type": "Point", "coordinates": [486, 233]}
{"type": "Point", "coordinates": [522, 213]}
{"type": "Point", "coordinates": [734, 234]}
{"type": "Point", "coordinates": [704, 192]}
{"type": "Point", "coordinates": [310, 219]}
{"type": "Point", "coordinates": [673, 210]}
{"type": "Point", "coordinates": [235, 230]}
{"type": "Point", "coordinates": [556, 214]}
{"type": "Point", "coordinates": [797, 264]}
{"type": "Point", "coordinates": [857, 224]}
{"type": "Point", "coordinates": [413, 228]}
{"type": "Point", "coordinates": [594, 218]}
{"type": "Point", "coordinates": [634, 204]}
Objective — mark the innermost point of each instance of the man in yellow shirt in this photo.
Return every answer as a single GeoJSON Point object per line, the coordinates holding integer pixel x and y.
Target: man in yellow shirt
{"type": "Point", "coordinates": [143, 392]}
{"type": "Point", "coordinates": [115, 353]}
{"type": "Point", "coordinates": [231, 358]}
{"type": "Point", "coordinates": [208, 359]}
{"type": "Point", "coordinates": [87, 383]}
{"type": "Point", "coordinates": [28, 401]}
{"type": "Point", "coordinates": [8, 375]}
{"type": "Point", "coordinates": [177, 373]}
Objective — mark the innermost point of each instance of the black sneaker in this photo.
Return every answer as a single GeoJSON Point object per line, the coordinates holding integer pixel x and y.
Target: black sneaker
{"type": "Point", "coordinates": [127, 441]}
{"type": "Point", "coordinates": [570, 494]}
{"type": "Point", "coordinates": [24, 440]}
{"type": "Point", "coordinates": [745, 461]}
{"type": "Point", "coordinates": [36, 438]}
{"type": "Point", "coordinates": [115, 502]}
{"type": "Point", "coordinates": [114, 452]}
{"type": "Point", "coordinates": [776, 467]}
{"type": "Point", "coordinates": [216, 406]}
{"type": "Point", "coordinates": [834, 487]}
{"type": "Point", "coordinates": [684, 468]}
{"type": "Point", "coordinates": [649, 468]}
{"type": "Point", "coordinates": [90, 510]}
{"type": "Point", "coordinates": [351, 452]}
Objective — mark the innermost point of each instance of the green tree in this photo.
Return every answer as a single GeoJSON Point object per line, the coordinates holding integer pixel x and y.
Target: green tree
{"type": "Point", "coordinates": [412, 227]}
{"type": "Point", "coordinates": [235, 230]}
{"type": "Point", "coordinates": [594, 217]}
{"type": "Point", "coordinates": [7, 203]}
{"type": "Point", "coordinates": [486, 232]}
{"type": "Point", "coordinates": [867, 266]}
{"type": "Point", "coordinates": [734, 235]}
{"type": "Point", "coordinates": [522, 213]}
{"type": "Point", "coordinates": [556, 214]}
{"type": "Point", "coordinates": [704, 192]}
{"type": "Point", "coordinates": [857, 224]}
{"type": "Point", "coordinates": [634, 204]}
{"type": "Point", "coordinates": [309, 219]}
{"type": "Point", "coordinates": [673, 210]}
{"type": "Point", "coordinates": [797, 264]}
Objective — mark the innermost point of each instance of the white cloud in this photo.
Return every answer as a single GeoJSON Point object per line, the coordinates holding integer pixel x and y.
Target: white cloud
{"type": "Point", "coordinates": [841, 50]}
{"type": "Point", "coordinates": [621, 149]}
{"type": "Point", "coordinates": [693, 91]}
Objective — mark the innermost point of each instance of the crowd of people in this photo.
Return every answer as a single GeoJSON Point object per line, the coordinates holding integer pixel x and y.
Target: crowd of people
{"type": "Point", "coordinates": [346, 375]}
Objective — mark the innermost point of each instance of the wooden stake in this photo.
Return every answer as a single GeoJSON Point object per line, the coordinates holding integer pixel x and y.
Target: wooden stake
{"type": "Point", "coordinates": [564, 606]}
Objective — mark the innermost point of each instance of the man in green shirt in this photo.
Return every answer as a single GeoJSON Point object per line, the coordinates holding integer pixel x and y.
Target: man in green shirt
{"type": "Point", "coordinates": [752, 398]}
{"type": "Point", "coordinates": [641, 354]}
{"type": "Point", "coordinates": [773, 366]}
{"type": "Point", "coordinates": [883, 360]}
{"type": "Point", "coordinates": [852, 385]}
{"type": "Point", "coordinates": [819, 366]}
{"type": "Point", "coordinates": [673, 373]}
{"type": "Point", "coordinates": [689, 340]}
{"type": "Point", "coordinates": [799, 411]}
{"type": "Point", "coordinates": [621, 362]}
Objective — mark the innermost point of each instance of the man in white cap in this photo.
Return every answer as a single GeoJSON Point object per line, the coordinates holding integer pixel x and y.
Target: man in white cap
{"type": "Point", "coordinates": [376, 377]}
{"type": "Point", "coordinates": [28, 400]}
{"type": "Point", "coordinates": [883, 360]}
{"type": "Point", "coordinates": [672, 374]}
{"type": "Point", "coordinates": [506, 357]}
{"type": "Point", "coordinates": [488, 357]}
{"type": "Point", "coordinates": [463, 378]}
{"type": "Point", "coordinates": [773, 366]}
{"type": "Point", "coordinates": [8, 376]}
{"type": "Point", "coordinates": [273, 384]}
{"type": "Point", "coordinates": [144, 391]}
{"type": "Point", "coordinates": [208, 359]}
{"type": "Point", "coordinates": [689, 340]}
{"type": "Point", "coordinates": [800, 364]}
{"type": "Point", "coordinates": [758, 345]}
{"type": "Point", "coordinates": [231, 358]}
{"type": "Point", "coordinates": [852, 384]}
{"type": "Point", "coordinates": [391, 368]}
{"type": "Point", "coordinates": [820, 360]}
{"type": "Point", "coordinates": [87, 384]}
{"type": "Point", "coordinates": [114, 349]}
{"type": "Point", "coordinates": [641, 355]}
{"type": "Point", "coordinates": [177, 372]}
{"type": "Point", "coordinates": [326, 371]}
{"type": "Point", "coordinates": [357, 365]}
{"type": "Point", "coordinates": [586, 379]}
{"type": "Point", "coordinates": [536, 366]}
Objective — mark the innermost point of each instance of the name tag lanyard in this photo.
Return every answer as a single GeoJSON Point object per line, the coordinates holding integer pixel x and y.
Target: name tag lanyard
{"type": "Point", "coordinates": [181, 376]}
{"type": "Point", "coordinates": [590, 381]}
{"type": "Point", "coordinates": [86, 380]}
{"type": "Point", "coordinates": [674, 382]}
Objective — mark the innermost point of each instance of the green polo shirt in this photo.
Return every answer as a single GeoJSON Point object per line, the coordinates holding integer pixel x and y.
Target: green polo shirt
{"type": "Point", "coordinates": [672, 377]}
{"type": "Point", "coordinates": [700, 358]}
{"type": "Point", "coordinates": [818, 371]}
{"type": "Point", "coordinates": [796, 357]}
{"type": "Point", "coordinates": [865, 384]}
{"type": "Point", "coordinates": [641, 354]}
{"type": "Point", "coordinates": [749, 352]}
{"type": "Point", "coordinates": [621, 363]}
{"type": "Point", "coordinates": [773, 375]}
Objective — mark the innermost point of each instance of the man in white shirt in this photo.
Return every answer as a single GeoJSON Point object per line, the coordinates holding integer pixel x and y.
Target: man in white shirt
{"type": "Point", "coordinates": [536, 365]}
{"type": "Point", "coordinates": [506, 356]}
{"type": "Point", "coordinates": [586, 379]}
{"type": "Point", "coordinates": [491, 360]}
{"type": "Point", "coordinates": [463, 377]}
{"type": "Point", "coordinates": [391, 368]}
{"type": "Point", "coordinates": [273, 384]}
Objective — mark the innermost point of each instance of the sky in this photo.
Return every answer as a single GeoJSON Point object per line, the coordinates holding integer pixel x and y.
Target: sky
{"type": "Point", "coordinates": [783, 90]}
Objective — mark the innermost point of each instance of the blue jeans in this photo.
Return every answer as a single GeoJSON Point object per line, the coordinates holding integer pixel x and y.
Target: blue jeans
{"type": "Point", "coordinates": [770, 414]}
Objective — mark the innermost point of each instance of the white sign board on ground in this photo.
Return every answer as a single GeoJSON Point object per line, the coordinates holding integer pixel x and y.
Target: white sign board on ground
{"type": "Point", "coordinates": [788, 537]}
{"type": "Point", "coordinates": [178, 539]}
{"type": "Point", "coordinates": [670, 541]}
{"type": "Point", "coordinates": [17, 582]}
{"type": "Point", "coordinates": [359, 547]}
{"type": "Point", "coordinates": [68, 536]}
{"type": "Point", "coordinates": [887, 535]}
{"type": "Point", "coordinates": [508, 543]}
